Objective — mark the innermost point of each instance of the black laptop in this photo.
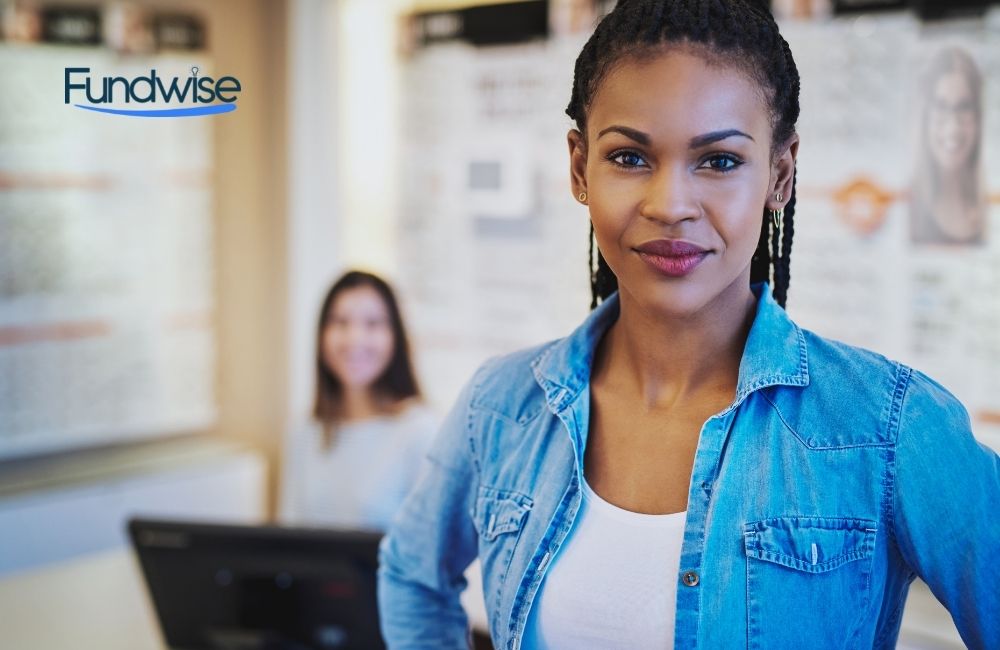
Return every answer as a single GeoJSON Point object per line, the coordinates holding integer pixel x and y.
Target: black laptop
{"type": "Point", "coordinates": [229, 587]}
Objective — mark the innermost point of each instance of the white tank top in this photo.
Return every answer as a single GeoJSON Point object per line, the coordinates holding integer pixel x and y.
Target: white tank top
{"type": "Point", "coordinates": [613, 583]}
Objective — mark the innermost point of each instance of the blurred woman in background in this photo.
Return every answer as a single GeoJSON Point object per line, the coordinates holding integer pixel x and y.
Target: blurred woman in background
{"type": "Point", "coordinates": [949, 204]}
{"type": "Point", "coordinates": [356, 458]}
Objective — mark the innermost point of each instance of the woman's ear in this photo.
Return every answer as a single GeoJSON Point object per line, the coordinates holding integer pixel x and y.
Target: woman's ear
{"type": "Point", "coordinates": [577, 164]}
{"type": "Point", "coordinates": [783, 174]}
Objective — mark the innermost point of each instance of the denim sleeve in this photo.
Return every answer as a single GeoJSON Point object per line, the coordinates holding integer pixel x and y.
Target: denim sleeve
{"type": "Point", "coordinates": [947, 509]}
{"type": "Point", "coordinates": [430, 543]}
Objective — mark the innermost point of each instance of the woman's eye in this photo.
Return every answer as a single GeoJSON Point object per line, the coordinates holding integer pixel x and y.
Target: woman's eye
{"type": "Point", "coordinates": [627, 159]}
{"type": "Point", "coordinates": [722, 162]}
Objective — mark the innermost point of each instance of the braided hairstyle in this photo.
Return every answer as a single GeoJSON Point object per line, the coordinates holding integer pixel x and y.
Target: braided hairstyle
{"type": "Point", "coordinates": [733, 32]}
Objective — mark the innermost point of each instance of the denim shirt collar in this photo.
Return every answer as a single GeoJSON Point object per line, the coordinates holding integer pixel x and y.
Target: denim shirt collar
{"type": "Point", "coordinates": [775, 352]}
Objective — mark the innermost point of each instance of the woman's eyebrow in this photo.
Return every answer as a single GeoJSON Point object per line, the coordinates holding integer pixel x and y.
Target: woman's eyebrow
{"type": "Point", "coordinates": [638, 136]}
{"type": "Point", "coordinates": [695, 142]}
{"type": "Point", "coordinates": [715, 136]}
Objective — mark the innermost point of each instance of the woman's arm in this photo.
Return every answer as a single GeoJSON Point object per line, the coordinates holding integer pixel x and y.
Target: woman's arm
{"type": "Point", "coordinates": [431, 542]}
{"type": "Point", "coordinates": [947, 509]}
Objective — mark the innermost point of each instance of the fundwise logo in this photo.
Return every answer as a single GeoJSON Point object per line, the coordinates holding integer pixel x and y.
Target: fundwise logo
{"type": "Point", "coordinates": [203, 92]}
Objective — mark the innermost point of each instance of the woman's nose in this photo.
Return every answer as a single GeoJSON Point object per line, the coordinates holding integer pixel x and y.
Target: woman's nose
{"type": "Point", "coordinates": [355, 334]}
{"type": "Point", "coordinates": [670, 197]}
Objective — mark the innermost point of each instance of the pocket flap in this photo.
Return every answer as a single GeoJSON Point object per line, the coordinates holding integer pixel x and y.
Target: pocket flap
{"type": "Point", "coordinates": [812, 544]}
{"type": "Point", "coordinates": [499, 511]}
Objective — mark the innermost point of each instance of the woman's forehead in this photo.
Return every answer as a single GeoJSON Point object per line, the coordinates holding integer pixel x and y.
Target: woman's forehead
{"type": "Point", "coordinates": [677, 93]}
{"type": "Point", "coordinates": [951, 84]}
{"type": "Point", "coordinates": [358, 299]}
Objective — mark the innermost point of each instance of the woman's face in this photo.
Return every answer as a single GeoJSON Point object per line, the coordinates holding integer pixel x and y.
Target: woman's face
{"type": "Point", "coordinates": [357, 340]}
{"type": "Point", "coordinates": [952, 130]}
{"type": "Point", "coordinates": [677, 168]}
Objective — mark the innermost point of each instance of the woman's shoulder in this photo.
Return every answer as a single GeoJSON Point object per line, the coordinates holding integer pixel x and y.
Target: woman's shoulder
{"type": "Point", "coordinates": [520, 361]}
{"type": "Point", "coordinates": [303, 440]}
{"type": "Point", "coordinates": [304, 429]}
{"type": "Point", "coordinates": [413, 411]}
{"type": "Point", "coordinates": [869, 368]}
{"type": "Point", "coordinates": [409, 427]}
{"type": "Point", "coordinates": [826, 355]}
{"type": "Point", "coordinates": [928, 404]}
{"type": "Point", "coordinates": [506, 383]}
{"type": "Point", "coordinates": [874, 394]}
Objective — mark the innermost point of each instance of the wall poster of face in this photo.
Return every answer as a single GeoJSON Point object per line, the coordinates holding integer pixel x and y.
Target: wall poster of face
{"type": "Point", "coordinates": [948, 199]}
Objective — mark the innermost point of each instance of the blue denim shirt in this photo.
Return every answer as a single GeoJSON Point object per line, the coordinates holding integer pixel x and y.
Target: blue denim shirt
{"type": "Point", "coordinates": [834, 478]}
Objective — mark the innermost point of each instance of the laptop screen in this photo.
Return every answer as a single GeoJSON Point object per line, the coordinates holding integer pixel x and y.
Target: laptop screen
{"type": "Point", "coordinates": [228, 587]}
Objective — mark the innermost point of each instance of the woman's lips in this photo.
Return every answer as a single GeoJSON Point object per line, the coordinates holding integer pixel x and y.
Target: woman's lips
{"type": "Point", "coordinates": [672, 257]}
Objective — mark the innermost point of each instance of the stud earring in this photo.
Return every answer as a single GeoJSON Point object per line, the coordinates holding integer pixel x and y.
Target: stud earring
{"type": "Point", "coordinates": [582, 197]}
{"type": "Point", "coordinates": [776, 215]}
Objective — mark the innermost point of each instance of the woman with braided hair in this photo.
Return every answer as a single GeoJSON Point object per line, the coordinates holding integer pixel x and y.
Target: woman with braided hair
{"type": "Point", "coordinates": [689, 468]}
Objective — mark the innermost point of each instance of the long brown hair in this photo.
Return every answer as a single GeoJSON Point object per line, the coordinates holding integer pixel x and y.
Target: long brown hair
{"type": "Point", "coordinates": [396, 383]}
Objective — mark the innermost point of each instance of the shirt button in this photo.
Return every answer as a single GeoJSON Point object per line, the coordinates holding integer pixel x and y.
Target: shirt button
{"type": "Point", "coordinates": [690, 578]}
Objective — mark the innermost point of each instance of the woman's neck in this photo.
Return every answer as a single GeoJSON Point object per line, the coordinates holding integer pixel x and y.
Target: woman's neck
{"type": "Point", "coordinates": [957, 214]}
{"type": "Point", "coordinates": [360, 404]}
{"type": "Point", "coordinates": [665, 359]}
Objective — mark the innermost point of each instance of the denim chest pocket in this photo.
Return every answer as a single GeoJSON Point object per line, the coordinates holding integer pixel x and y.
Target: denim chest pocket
{"type": "Point", "coordinates": [499, 511]}
{"type": "Point", "coordinates": [808, 580]}
{"type": "Point", "coordinates": [498, 518]}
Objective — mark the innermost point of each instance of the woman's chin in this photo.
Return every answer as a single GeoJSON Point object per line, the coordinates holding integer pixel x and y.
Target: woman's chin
{"type": "Point", "coordinates": [358, 382]}
{"type": "Point", "coordinates": [674, 299]}
{"type": "Point", "coordinates": [688, 297]}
